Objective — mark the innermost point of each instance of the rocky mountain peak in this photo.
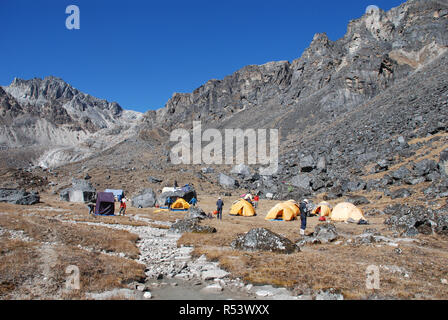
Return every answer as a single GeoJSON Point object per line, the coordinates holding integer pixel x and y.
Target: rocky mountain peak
{"type": "Point", "coordinates": [330, 77]}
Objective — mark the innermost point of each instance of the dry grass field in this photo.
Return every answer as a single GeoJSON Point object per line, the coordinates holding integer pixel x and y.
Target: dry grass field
{"type": "Point", "coordinates": [415, 273]}
{"type": "Point", "coordinates": [38, 242]}
{"type": "Point", "coordinates": [37, 246]}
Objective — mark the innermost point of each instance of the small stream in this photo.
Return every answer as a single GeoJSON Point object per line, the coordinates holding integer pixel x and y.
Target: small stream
{"type": "Point", "coordinates": [173, 274]}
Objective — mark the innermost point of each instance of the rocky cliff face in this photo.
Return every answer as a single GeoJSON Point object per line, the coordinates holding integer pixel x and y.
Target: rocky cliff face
{"type": "Point", "coordinates": [345, 109]}
{"type": "Point", "coordinates": [66, 123]}
{"type": "Point", "coordinates": [331, 82]}
{"type": "Point", "coordinates": [330, 78]}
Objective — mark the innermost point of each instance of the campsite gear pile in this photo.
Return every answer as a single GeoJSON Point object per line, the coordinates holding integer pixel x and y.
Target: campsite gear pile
{"type": "Point", "coordinates": [170, 195]}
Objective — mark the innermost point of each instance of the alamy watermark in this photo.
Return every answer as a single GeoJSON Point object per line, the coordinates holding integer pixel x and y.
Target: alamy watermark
{"type": "Point", "coordinates": [72, 281]}
{"type": "Point", "coordinates": [373, 277]}
{"type": "Point", "coordinates": [73, 21]}
{"type": "Point", "coordinates": [230, 150]}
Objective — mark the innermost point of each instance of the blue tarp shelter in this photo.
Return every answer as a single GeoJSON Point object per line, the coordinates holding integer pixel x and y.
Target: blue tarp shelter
{"type": "Point", "coordinates": [117, 193]}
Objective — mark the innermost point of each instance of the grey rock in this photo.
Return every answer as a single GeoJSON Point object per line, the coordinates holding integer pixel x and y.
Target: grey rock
{"type": "Point", "coordinates": [21, 197]}
{"type": "Point", "coordinates": [190, 225]}
{"type": "Point", "coordinates": [414, 220]}
{"type": "Point", "coordinates": [321, 164]}
{"type": "Point", "coordinates": [241, 169]}
{"type": "Point", "coordinates": [307, 163]}
{"type": "Point", "coordinates": [414, 181]}
{"type": "Point", "coordinates": [424, 167]}
{"type": "Point", "coordinates": [214, 274]}
{"type": "Point", "coordinates": [196, 212]}
{"type": "Point", "coordinates": [207, 170]}
{"type": "Point", "coordinates": [401, 173]}
{"type": "Point", "coordinates": [154, 179]}
{"type": "Point", "coordinates": [264, 240]}
{"type": "Point", "coordinates": [323, 233]}
{"type": "Point", "coordinates": [329, 295]}
{"type": "Point", "coordinates": [146, 198]}
{"type": "Point", "coordinates": [301, 181]}
{"type": "Point", "coordinates": [227, 182]}
{"type": "Point", "coordinates": [358, 200]}
{"type": "Point", "coordinates": [400, 193]}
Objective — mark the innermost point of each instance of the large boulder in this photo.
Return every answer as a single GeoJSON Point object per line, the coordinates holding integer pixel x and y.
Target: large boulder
{"type": "Point", "coordinates": [401, 173]}
{"type": "Point", "coordinates": [322, 164]}
{"type": "Point", "coordinates": [264, 240]}
{"type": "Point", "coordinates": [413, 220]}
{"type": "Point", "coordinates": [353, 185]}
{"type": "Point", "coordinates": [190, 225]}
{"type": "Point", "coordinates": [443, 162]}
{"type": "Point", "coordinates": [196, 212]}
{"type": "Point", "coordinates": [145, 199]}
{"type": "Point", "coordinates": [323, 233]}
{"type": "Point", "coordinates": [307, 164]}
{"type": "Point", "coordinates": [301, 181]}
{"type": "Point", "coordinates": [15, 196]}
{"type": "Point", "coordinates": [226, 181]}
{"type": "Point", "coordinates": [358, 200]}
{"type": "Point", "coordinates": [424, 167]}
{"type": "Point", "coordinates": [241, 169]}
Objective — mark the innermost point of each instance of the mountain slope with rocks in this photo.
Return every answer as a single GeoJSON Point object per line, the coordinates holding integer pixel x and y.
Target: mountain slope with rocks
{"type": "Point", "coordinates": [63, 122]}
{"type": "Point", "coordinates": [328, 80]}
{"type": "Point", "coordinates": [346, 110]}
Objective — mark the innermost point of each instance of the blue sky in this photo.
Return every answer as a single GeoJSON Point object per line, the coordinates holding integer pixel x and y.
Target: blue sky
{"type": "Point", "coordinates": [139, 52]}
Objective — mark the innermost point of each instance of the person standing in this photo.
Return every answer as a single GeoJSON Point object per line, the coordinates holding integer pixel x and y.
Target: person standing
{"type": "Point", "coordinates": [303, 215]}
{"type": "Point", "coordinates": [168, 202]}
{"type": "Point", "coordinates": [219, 206]}
{"type": "Point", "coordinates": [256, 199]}
{"type": "Point", "coordinates": [91, 207]}
{"type": "Point", "coordinates": [122, 207]}
{"type": "Point", "coordinates": [193, 201]}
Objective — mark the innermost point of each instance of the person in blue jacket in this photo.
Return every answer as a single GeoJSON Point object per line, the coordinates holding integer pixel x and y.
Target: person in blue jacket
{"type": "Point", "coordinates": [219, 206]}
{"type": "Point", "coordinates": [168, 202]}
{"type": "Point", "coordinates": [303, 215]}
{"type": "Point", "coordinates": [193, 201]}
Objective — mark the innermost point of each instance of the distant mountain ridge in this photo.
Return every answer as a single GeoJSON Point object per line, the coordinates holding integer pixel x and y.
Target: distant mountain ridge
{"type": "Point", "coordinates": [50, 113]}
{"type": "Point", "coordinates": [330, 80]}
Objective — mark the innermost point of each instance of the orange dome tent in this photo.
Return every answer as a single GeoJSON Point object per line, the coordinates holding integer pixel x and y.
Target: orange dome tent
{"type": "Point", "coordinates": [323, 209]}
{"type": "Point", "coordinates": [242, 208]}
{"type": "Point", "coordinates": [180, 204]}
{"type": "Point", "coordinates": [345, 211]}
{"type": "Point", "coordinates": [286, 211]}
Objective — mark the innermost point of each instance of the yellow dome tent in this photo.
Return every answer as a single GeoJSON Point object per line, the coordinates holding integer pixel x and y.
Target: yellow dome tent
{"type": "Point", "coordinates": [344, 211]}
{"type": "Point", "coordinates": [286, 211]}
{"type": "Point", "coordinates": [323, 209]}
{"type": "Point", "coordinates": [180, 204]}
{"type": "Point", "coordinates": [242, 208]}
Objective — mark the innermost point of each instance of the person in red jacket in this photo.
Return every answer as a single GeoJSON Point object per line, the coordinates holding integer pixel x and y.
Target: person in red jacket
{"type": "Point", "coordinates": [256, 199]}
{"type": "Point", "coordinates": [122, 206]}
